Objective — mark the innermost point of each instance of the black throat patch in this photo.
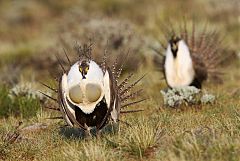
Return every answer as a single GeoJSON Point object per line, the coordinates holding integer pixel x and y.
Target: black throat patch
{"type": "Point", "coordinates": [174, 45]}
{"type": "Point", "coordinates": [174, 51]}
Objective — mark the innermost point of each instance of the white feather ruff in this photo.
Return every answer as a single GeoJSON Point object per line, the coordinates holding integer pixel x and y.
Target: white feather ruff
{"type": "Point", "coordinates": [107, 90]}
{"type": "Point", "coordinates": [89, 86]}
{"type": "Point", "coordinates": [179, 71]}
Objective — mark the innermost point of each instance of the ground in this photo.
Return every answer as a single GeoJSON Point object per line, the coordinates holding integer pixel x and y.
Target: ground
{"type": "Point", "coordinates": [31, 31]}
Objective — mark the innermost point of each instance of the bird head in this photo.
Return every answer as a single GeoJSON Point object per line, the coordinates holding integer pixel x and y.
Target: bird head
{"type": "Point", "coordinates": [174, 44]}
{"type": "Point", "coordinates": [84, 68]}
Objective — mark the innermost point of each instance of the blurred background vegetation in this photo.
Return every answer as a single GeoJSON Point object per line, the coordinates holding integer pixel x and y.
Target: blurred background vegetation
{"type": "Point", "coordinates": [32, 31]}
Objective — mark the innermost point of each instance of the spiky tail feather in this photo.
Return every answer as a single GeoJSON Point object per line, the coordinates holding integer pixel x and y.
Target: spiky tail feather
{"type": "Point", "coordinates": [205, 49]}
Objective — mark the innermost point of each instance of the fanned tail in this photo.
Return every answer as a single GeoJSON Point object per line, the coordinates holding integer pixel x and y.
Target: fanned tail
{"type": "Point", "coordinates": [205, 47]}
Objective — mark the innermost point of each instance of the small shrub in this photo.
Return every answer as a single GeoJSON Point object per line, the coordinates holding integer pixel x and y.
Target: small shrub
{"type": "Point", "coordinates": [19, 101]}
{"type": "Point", "coordinates": [177, 96]}
{"type": "Point", "coordinates": [185, 96]}
{"type": "Point", "coordinates": [26, 107]}
{"type": "Point", "coordinates": [208, 98]}
{"type": "Point", "coordinates": [25, 90]}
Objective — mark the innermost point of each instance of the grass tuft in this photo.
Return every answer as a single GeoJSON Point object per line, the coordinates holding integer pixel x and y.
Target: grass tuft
{"type": "Point", "coordinates": [142, 138]}
{"type": "Point", "coordinates": [90, 150]}
{"type": "Point", "coordinates": [19, 105]}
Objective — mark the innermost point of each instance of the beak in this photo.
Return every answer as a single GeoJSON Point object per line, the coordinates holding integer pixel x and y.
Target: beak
{"type": "Point", "coordinates": [83, 76]}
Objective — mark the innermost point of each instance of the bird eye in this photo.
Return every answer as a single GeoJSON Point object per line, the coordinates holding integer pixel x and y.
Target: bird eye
{"type": "Point", "coordinates": [87, 68]}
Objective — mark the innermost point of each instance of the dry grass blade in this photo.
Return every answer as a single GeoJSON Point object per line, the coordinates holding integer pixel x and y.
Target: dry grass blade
{"type": "Point", "coordinates": [11, 137]}
{"type": "Point", "coordinates": [124, 122]}
{"type": "Point", "coordinates": [142, 139]}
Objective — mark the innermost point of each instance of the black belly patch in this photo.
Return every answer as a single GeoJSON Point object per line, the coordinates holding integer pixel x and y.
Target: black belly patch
{"type": "Point", "coordinates": [95, 118]}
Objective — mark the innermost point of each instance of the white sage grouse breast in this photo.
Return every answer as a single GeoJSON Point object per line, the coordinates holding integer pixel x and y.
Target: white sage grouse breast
{"type": "Point", "coordinates": [89, 95]}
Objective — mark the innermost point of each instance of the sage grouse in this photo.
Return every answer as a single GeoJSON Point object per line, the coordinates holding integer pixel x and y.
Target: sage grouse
{"type": "Point", "coordinates": [191, 58]}
{"type": "Point", "coordinates": [89, 94]}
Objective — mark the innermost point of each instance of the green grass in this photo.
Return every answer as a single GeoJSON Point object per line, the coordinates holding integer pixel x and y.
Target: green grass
{"type": "Point", "coordinates": [158, 133]}
{"type": "Point", "coordinates": [5, 101]}
{"type": "Point", "coordinates": [19, 106]}
{"type": "Point", "coordinates": [211, 132]}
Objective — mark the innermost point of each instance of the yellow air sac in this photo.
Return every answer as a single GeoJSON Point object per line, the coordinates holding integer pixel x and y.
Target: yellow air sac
{"type": "Point", "coordinates": [93, 92]}
{"type": "Point", "coordinates": [75, 94]}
